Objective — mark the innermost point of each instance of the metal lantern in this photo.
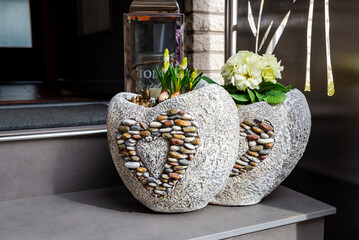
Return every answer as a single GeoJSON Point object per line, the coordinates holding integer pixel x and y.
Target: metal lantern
{"type": "Point", "coordinates": [150, 27]}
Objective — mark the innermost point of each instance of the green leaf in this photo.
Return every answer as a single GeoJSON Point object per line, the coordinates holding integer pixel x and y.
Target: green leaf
{"type": "Point", "coordinates": [231, 89]}
{"type": "Point", "coordinates": [210, 81]}
{"type": "Point", "coordinates": [196, 81]}
{"type": "Point", "coordinates": [285, 89]}
{"type": "Point", "coordinates": [268, 86]}
{"type": "Point", "coordinates": [274, 97]}
{"type": "Point", "coordinates": [251, 95]}
{"type": "Point", "coordinates": [166, 80]}
{"type": "Point", "coordinates": [288, 88]}
{"type": "Point", "coordinates": [259, 95]}
{"type": "Point", "coordinates": [240, 98]}
{"type": "Point", "coordinates": [158, 73]}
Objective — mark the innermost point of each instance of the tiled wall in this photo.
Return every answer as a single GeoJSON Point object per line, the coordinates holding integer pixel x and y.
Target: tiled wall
{"type": "Point", "coordinates": [205, 36]}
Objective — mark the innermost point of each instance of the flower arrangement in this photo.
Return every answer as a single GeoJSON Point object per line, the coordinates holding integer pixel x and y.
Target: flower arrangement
{"type": "Point", "coordinates": [176, 80]}
{"type": "Point", "coordinates": [254, 78]}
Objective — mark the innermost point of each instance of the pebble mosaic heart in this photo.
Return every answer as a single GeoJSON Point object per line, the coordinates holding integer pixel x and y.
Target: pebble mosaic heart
{"type": "Point", "coordinates": [260, 137]}
{"type": "Point", "coordinates": [176, 127]}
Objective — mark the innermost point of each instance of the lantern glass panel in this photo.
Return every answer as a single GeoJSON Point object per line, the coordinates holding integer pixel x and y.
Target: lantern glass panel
{"type": "Point", "coordinates": [146, 38]}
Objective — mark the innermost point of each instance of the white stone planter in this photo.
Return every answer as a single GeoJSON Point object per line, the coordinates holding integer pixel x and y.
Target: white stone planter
{"type": "Point", "coordinates": [184, 157]}
{"type": "Point", "coordinates": [272, 141]}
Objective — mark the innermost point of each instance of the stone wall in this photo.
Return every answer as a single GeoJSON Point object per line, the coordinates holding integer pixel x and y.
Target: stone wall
{"type": "Point", "coordinates": [205, 36]}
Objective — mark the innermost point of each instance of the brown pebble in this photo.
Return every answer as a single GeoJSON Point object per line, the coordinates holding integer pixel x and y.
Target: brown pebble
{"type": "Point", "coordinates": [177, 155]}
{"type": "Point", "coordinates": [149, 188]}
{"type": "Point", "coordinates": [140, 177]}
{"type": "Point", "coordinates": [196, 141]}
{"type": "Point", "coordinates": [257, 130]}
{"type": "Point", "coordinates": [182, 123]}
{"type": "Point", "coordinates": [256, 148]}
{"type": "Point", "coordinates": [123, 128]}
{"type": "Point", "coordinates": [243, 170]}
{"type": "Point", "coordinates": [190, 157]}
{"type": "Point", "coordinates": [164, 180]}
{"type": "Point", "coordinates": [166, 135]}
{"type": "Point", "coordinates": [141, 169]}
{"type": "Point", "coordinates": [144, 125]}
{"type": "Point", "coordinates": [269, 145]}
{"type": "Point", "coordinates": [250, 123]}
{"type": "Point", "coordinates": [172, 163]}
{"type": "Point", "coordinates": [245, 126]}
{"type": "Point", "coordinates": [126, 136]}
{"type": "Point", "coordinates": [172, 112]}
{"type": "Point", "coordinates": [254, 154]}
{"type": "Point", "coordinates": [190, 129]}
{"type": "Point", "coordinates": [270, 133]}
{"type": "Point", "coordinates": [144, 133]}
{"type": "Point", "coordinates": [175, 141]}
{"type": "Point", "coordinates": [238, 166]}
{"type": "Point", "coordinates": [176, 168]}
{"type": "Point", "coordinates": [252, 137]}
{"type": "Point", "coordinates": [262, 157]}
{"type": "Point", "coordinates": [180, 171]}
{"type": "Point", "coordinates": [253, 164]}
{"type": "Point", "coordinates": [265, 126]}
{"type": "Point", "coordinates": [160, 118]}
{"type": "Point", "coordinates": [123, 152]}
{"type": "Point", "coordinates": [168, 123]}
{"type": "Point", "coordinates": [136, 137]}
{"type": "Point", "coordinates": [132, 153]}
{"type": "Point", "coordinates": [179, 136]}
{"type": "Point", "coordinates": [181, 112]}
{"type": "Point", "coordinates": [175, 176]}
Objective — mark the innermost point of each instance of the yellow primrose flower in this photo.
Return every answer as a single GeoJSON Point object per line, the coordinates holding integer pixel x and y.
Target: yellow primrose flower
{"type": "Point", "coordinates": [166, 56]}
{"type": "Point", "coordinates": [183, 64]}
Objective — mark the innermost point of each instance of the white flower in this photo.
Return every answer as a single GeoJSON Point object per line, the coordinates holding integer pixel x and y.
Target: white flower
{"type": "Point", "coordinates": [245, 68]}
{"type": "Point", "coordinates": [248, 76]}
{"type": "Point", "coordinates": [232, 64]}
{"type": "Point", "coordinates": [271, 69]}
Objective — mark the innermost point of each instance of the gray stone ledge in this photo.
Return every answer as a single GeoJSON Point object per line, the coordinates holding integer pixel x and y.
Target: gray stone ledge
{"type": "Point", "coordinates": [112, 213]}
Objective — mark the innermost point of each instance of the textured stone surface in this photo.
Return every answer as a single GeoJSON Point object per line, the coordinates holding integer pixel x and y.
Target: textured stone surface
{"type": "Point", "coordinates": [205, 22]}
{"type": "Point", "coordinates": [291, 121]}
{"type": "Point", "coordinates": [215, 76]}
{"type": "Point", "coordinates": [156, 158]}
{"type": "Point", "coordinates": [205, 42]}
{"type": "Point", "coordinates": [207, 61]}
{"type": "Point", "coordinates": [212, 108]}
{"type": "Point", "coordinates": [216, 6]}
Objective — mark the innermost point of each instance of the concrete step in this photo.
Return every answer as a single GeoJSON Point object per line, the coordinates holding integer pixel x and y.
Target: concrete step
{"type": "Point", "coordinates": [54, 148]}
{"type": "Point", "coordinates": [55, 161]}
{"type": "Point", "coordinates": [112, 213]}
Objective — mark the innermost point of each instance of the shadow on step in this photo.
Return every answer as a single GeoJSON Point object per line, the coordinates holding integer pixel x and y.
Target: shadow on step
{"type": "Point", "coordinates": [116, 198]}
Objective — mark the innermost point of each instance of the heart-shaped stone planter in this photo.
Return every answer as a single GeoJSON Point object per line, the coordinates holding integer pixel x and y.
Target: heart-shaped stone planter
{"type": "Point", "coordinates": [176, 156]}
{"type": "Point", "coordinates": [272, 141]}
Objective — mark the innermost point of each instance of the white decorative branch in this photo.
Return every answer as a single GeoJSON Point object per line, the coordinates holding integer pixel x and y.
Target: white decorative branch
{"type": "Point", "coordinates": [274, 41]}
